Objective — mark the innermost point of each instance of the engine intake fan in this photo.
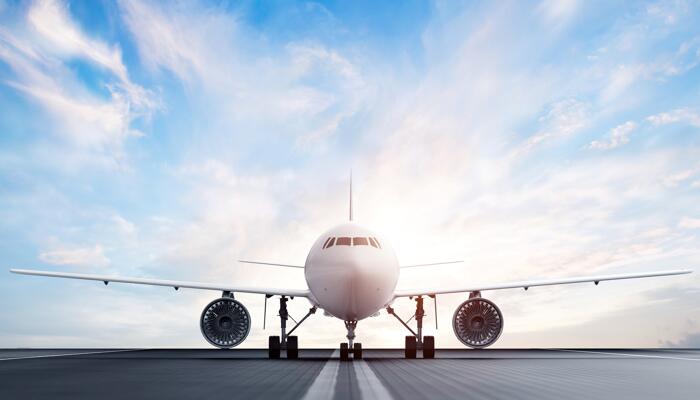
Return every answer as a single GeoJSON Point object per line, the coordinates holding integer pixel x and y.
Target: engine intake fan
{"type": "Point", "coordinates": [477, 323]}
{"type": "Point", "coordinates": [225, 323]}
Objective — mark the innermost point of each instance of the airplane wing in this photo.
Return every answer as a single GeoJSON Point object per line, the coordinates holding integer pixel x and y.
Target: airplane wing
{"type": "Point", "coordinates": [174, 284]}
{"type": "Point", "coordinates": [431, 264]}
{"type": "Point", "coordinates": [540, 282]}
{"type": "Point", "coordinates": [271, 264]}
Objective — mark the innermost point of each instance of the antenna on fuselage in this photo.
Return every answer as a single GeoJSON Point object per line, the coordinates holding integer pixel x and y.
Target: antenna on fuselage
{"type": "Point", "coordinates": [350, 195]}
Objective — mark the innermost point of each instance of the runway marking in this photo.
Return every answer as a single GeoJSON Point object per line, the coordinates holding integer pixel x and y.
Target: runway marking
{"type": "Point", "coordinates": [324, 385]}
{"type": "Point", "coordinates": [69, 354]}
{"type": "Point", "coordinates": [370, 386]}
{"type": "Point", "coordinates": [625, 354]}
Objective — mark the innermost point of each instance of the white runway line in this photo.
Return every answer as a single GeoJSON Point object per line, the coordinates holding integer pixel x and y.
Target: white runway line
{"type": "Point", "coordinates": [625, 354]}
{"type": "Point", "coordinates": [370, 386]}
{"type": "Point", "coordinates": [324, 385]}
{"type": "Point", "coordinates": [68, 354]}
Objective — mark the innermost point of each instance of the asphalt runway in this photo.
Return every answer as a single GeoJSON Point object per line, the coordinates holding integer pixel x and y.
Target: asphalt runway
{"type": "Point", "coordinates": [318, 374]}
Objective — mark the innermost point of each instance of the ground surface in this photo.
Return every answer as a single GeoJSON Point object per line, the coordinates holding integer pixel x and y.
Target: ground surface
{"type": "Point", "coordinates": [247, 374]}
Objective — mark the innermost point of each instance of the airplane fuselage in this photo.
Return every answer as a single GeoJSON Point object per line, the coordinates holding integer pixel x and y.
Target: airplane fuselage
{"type": "Point", "coordinates": [351, 272]}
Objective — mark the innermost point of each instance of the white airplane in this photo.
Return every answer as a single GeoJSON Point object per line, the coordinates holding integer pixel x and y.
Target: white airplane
{"type": "Point", "coordinates": [351, 274]}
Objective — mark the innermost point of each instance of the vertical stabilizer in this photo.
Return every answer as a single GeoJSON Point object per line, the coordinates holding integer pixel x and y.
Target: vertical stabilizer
{"type": "Point", "coordinates": [350, 195]}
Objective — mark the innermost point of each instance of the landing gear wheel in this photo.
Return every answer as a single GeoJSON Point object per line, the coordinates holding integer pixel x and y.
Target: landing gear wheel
{"type": "Point", "coordinates": [428, 346]}
{"type": "Point", "coordinates": [357, 351]}
{"type": "Point", "coordinates": [292, 347]}
{"type": "Point", "coordinates": [274, 347]}
{"type": "Point", "coordinates": [344, 353]}
{"type": "Point", "coordinates": [410, 349]}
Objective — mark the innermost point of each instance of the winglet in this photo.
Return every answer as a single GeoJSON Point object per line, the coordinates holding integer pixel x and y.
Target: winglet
{"type": "Point", "coordinates": [350, 195]}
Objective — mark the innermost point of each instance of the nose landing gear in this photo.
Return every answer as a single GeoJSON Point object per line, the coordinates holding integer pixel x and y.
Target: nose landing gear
{"type": "Point", "coordinates": [347, 348]}
{"type": "Point", "coordinates": [416, 341]}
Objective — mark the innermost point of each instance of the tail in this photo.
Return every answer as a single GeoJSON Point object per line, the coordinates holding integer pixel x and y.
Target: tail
{"type": "Point", "coordinates": [350, 195]}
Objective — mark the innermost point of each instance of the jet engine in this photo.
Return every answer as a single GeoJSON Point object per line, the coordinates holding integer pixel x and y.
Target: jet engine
{"type": "Point", "coordinates": [477, 322]}
{"type": "Point", "coordinates": [225, 323]}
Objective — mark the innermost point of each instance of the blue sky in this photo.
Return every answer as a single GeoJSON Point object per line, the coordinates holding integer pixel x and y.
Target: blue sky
{"type": "Point", "coordinates": [531, 139]}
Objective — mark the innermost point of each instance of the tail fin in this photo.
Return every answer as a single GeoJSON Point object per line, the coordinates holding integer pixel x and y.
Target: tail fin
{"type": "Point", "coordinates": [350, 195]}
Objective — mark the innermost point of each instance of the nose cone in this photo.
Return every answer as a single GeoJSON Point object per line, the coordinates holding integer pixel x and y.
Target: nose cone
{"type": "Point", "coordinates": [353, 289]}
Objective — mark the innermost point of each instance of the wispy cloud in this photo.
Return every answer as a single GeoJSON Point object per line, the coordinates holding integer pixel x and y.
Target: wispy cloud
{"type": "Point", "coordinates": [564, 118]}
{"type": "Point", "coordinates": [558, 13]}
{"type": "Point", "coordinates": [39, 51]}
{"type": "Point", "coordinates": [689, 223]}
{"type": "Point", "coordinates": [51, 20]}
{"type": "Point", "coordinates": [305, 87]}
{"type": "Point", "coordinates": [620, 135]}
{"type": "Point", "coordinates": [681, 115]}
{"type": "Point", "coordinates": [76, 256]}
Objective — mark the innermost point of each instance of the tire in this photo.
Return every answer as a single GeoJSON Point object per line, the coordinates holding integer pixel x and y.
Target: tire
{"type": "Point", "coordinates": [292, 347]}
{"type": "Point", "coordinates": [344, 353]}
{"type": "Point", "coordinates": [273, 347]}
{"type": "Point", "coordinates": [410, 349]}
{"type": "Point", "coordinates": [428, 346]}
{"type": "Point", "coordinates": [357, 351]}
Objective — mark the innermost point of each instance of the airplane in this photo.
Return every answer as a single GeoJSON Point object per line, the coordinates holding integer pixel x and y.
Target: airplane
{"type": "Point", "coordinates": [351, 274]}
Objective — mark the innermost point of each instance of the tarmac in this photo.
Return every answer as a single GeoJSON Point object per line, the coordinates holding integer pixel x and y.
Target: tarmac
{"type": "Point", "coordinates": [319, 374]}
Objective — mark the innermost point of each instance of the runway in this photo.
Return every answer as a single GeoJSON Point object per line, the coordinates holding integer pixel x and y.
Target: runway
{"type": "Point", "coordinates": [248, 374]}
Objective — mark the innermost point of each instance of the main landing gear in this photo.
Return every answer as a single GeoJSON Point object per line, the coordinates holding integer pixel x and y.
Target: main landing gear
{"type": "Point", "coordinates": [416, 341]}
{"type": "Point", "coordinates": [285, 341]}
{"type": "Point", "coordinates": [350, 347]}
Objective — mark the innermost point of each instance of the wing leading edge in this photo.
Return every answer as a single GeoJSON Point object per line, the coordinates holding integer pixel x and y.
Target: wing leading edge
{"type": "Point", "coordinates": [163, 282]}
{"type": "Point", "coordinates": [540, 282]}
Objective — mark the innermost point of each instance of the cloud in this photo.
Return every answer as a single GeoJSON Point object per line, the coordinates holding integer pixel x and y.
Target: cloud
{"type": "Point", "coordinates": [76, 256]}
{"type": "Point", "coordinates": [50, 18]}
{"type": "Point", "coordinates": [681, 115]}
{"type": "Point", "coordinates": [123, 225]}
{"type": "Point", "coordinates": [667, 11]}
{"type": "Point", "coordinates": [304, 88]}
{"type": "Point", "coordinates": [677, 178]}
{"type": "Point", "coordinates": [39, 54]}
{"type": "Point", "coordinates": [618, 136]}
{"type": "Point", "coordinates": [558, 13]}
{"type": "Point", "coordinates": [564, 118]}
{"type": "Point", "coordinates": [638, 54]}
{"type": "Point", "coordinates": [689, 223]}
{"type": "Point", "coordinates": [621, 78]}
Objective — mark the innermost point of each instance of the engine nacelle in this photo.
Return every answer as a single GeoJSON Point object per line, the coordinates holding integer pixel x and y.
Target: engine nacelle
{"type": "Point", "coordinates": [225, 323]}
{"type": "Point", "coordinates": [477, 323]}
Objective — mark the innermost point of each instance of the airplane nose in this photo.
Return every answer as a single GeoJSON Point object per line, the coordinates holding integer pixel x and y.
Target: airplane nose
{"type": "Point", "coordinates": [370, 288]}
{"type": "Point", "coordinates": [352, 284]}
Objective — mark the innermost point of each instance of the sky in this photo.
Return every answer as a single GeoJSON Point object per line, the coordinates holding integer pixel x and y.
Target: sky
{"type": "Point", "coordinates": [529, 139]}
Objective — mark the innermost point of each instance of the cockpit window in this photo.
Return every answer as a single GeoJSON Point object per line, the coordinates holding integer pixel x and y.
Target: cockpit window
{"type": "Point", "coordinates": [359, 241]}
{"type": "Point", "coordinates": [343, 241]}
{"type": "Point", "coordinates": [329, 242]}
{"type": "Point", "coordinates": [351, 241]}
